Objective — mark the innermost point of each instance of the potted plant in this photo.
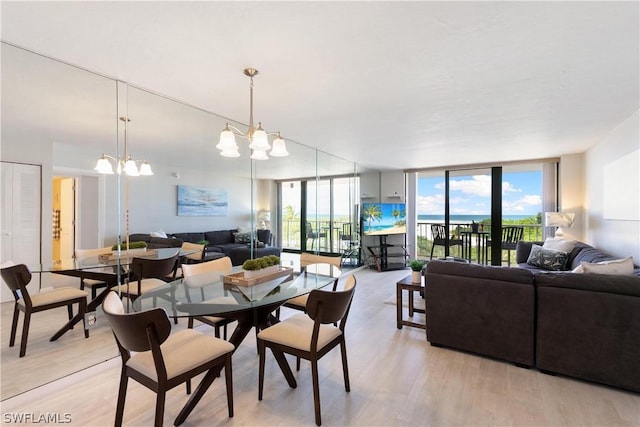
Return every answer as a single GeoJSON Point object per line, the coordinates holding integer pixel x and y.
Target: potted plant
{"type": "Point", "coordinates": [261, 266]}
{"type": "Point", "coordinates": [134, 247]}
{"type": "Point", "coordinates": [416, 266]}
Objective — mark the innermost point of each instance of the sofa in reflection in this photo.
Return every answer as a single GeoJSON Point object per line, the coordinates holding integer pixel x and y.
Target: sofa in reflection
{"type": "Point", "coordinates": [219, 243]}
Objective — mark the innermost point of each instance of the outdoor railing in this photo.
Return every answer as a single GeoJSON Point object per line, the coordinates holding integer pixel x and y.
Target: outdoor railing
{"type": "Point", "coordinates": [328, 236]}
{"type": "Point", "coordinates": [532, 232]}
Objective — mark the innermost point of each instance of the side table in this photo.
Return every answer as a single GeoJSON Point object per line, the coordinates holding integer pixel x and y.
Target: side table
{"type": "Point", "coordinates": [406, 285]}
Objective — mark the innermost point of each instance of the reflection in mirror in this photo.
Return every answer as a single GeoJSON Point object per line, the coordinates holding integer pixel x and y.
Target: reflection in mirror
{"type": "Point", "coordinates": [60, 119]}
{"type": "Point", "coordinates": [63, 119]}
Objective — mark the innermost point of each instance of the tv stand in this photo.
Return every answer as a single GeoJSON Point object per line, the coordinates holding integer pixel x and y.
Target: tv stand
{"type": "Point", "coordinates": [388, 256]}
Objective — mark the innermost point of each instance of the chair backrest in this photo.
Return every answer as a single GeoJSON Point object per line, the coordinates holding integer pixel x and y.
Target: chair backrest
{"type": "Point", "coordinates": [438, 232]}
{"type": "Point", "coordinates": [349, 283]}
{"type": "Point", "coordinates": [346, 234]}
{"type": "Point", "coordinates": [86, 253]}
{"type": "Point", "coordinates": [17, 277]}
{"type": "Point", "coordinates": [146, 268]}
{"type": "Point", "coordinates": [307, 259]}
{"type": "Point", "coordinates": [309, 228]}
{"type": "Point", "coordinates": [512, 234]}
{"type": "Point", "coordinates": [222, 265]}
{"type": "Point", "coordinates": [197, 256]}
{"type": "Point", "coordinates": [331, 307]}
{"type": "Point", "coordinates": [132, 329]}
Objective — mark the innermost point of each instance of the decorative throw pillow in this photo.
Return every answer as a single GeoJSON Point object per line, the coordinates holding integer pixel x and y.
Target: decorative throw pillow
{"type": "Point", "coordinates": [242, 237]}
{"type": "Point", "coordinates": [159, 233]}
{"type": "Point", "coordinates": [617, 266]}
{"type": "Point", "coordinates": [547, 258]}
{"type": "Point", "coordinates": [557, 244]}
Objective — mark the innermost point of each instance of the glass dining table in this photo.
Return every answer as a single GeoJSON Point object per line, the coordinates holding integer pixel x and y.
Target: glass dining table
{"type": "Point", "coordinates": [251, 306]}
{"type": "Point", "coordinates": [109, 269]}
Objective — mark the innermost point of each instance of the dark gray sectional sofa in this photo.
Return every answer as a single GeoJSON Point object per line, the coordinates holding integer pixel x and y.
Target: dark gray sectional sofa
{"type": "Point", "coordinates": [221, 243]}
{"type": "Point", "coordinates": [585, 326]}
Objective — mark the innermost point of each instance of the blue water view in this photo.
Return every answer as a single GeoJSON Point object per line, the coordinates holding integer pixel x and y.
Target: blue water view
{"type": "Point", "coordinates": [463, 219]}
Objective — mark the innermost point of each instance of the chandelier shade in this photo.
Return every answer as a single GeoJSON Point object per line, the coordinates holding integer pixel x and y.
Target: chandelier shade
{"type": "Point", "coordinates": [257, 136]}
{"type": "Point", "coordinates": [126, 164]}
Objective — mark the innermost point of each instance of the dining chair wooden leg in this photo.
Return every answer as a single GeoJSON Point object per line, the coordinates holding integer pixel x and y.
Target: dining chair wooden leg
{"type": "Point", "coordinates": [316, 390]}
{"type": "Point", "coordinates": [83, 310]}
{"type": "Point", "coordinates": [14, 326]}
{"type": "Point", "coordinates": [297, 363]}
{"type": "Point", "coordinates": [70, 310]}
{"type": "Point", "coordinates": [160, 398]}
{"type": "Point", "coordinates": [261, 351]}
{"type": "Point", "coordinates": [345, 368]}
{"type": "Point", "coordinates": [228, 378]}
{"type": "Point", "coordinates": [25, 333]}
{"type": "Point", "coordinates": [122, 394]}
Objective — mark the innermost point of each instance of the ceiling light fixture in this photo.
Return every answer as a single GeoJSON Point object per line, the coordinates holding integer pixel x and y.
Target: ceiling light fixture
{"type": "Point", "coordinates": [126, 164]}
{"type": "Point", "coordinates": [258, 137]}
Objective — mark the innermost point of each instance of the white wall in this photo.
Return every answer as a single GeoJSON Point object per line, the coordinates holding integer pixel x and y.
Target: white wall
{"type": "Point", "coordinates": [620, 238]}
{"type": "Point", "coordinates": [572, 193]}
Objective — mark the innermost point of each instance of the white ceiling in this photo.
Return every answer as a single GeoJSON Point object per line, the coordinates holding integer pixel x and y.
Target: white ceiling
{"type": "Point", "coordinates": [391, 85]}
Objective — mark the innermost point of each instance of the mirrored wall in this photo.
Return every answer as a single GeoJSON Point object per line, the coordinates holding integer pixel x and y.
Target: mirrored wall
{"type": "Point", "coordinates": [62, 119]}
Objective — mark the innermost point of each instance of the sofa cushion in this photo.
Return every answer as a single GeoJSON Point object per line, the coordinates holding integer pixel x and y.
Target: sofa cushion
{"type": "Point", "coordinates": [547, 259]}
{"type": "Point", "coordinates": [159, 233]}
{"type": "Point", "coordinates": [160, 242]}
{"type": "Point", "coordinates": [219, 237]}
{"type": "Point", "coordinates": [619, 266]}
{"type": "Point", "coordinates": [242, 237]}
{"type": "Point", "coordinates": [557, 244]}
{"type": "Point", "coordinates": [191, 237]}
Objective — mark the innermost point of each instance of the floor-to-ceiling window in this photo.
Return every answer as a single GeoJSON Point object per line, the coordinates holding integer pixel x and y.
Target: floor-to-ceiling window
{"type": "Point", "coordinates": [319, 215]}
{"type": "Point", "coordinates": [523, 194]}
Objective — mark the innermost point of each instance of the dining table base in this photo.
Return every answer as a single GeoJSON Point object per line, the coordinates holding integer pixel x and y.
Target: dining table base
{"type": "Point", "coordinates": [258, 317]}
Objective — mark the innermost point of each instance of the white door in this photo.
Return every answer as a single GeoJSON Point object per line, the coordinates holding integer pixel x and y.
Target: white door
{"type": "Point", "coordinates": [67, 218]}
{"type": "Point", "coordinates": [20, 219]}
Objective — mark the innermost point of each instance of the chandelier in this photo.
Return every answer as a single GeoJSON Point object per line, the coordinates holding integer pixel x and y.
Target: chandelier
{"type": "Point", "coordinates": [257, 136]}
{"type": "Point", "coordinates": [126, 164]}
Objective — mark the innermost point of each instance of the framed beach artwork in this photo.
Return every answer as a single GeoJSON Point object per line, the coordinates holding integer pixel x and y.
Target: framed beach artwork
{"type": "Point", "coordinates": [199, 201]}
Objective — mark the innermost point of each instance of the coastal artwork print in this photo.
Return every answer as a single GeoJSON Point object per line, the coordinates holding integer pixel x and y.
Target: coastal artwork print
{"type": "Point", "coordinates": [199, 201]}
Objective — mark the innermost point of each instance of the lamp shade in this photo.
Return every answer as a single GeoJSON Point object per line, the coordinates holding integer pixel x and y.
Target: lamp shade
{"type": "Point", "coordinates": [559, 219]}
{"type": "Point", "coordinates": [260, 140]}
{"type": "Point", "coordinates": [259, 155]}
{"type": "Point", "coordinates": [130, 167]}
{"type": "Point", "coordinates": [227, 141]}
{"type": "Point", "coordinates": [104, 166]}
{"type": "Point", "coordinates": [145, 169]}
{"type": "Point", "coordinates": [279, 148]}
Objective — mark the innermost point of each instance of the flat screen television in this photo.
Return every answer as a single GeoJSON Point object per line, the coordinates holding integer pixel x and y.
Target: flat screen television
{"type": "Point", "coordinates": [381, 219]}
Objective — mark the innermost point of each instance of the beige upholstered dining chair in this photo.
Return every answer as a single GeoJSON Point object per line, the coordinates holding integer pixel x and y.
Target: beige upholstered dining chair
{"type": "Point", "coordinates": [306, 259]}
{"type": "Point", "coordinates": [310, 336]}
{"type": "Point", "coordinates": [17, 277]}
{"type": "Point", "coordinates": [196, 256]}
{"type": "Point", "coordinates": [91, 283]}
{"type": "Point", "coordinates": [189, 271]}
{"type": "Point", "coordinates": [148, 274]}
{"type": "Point", "coordinates": [160, 360]}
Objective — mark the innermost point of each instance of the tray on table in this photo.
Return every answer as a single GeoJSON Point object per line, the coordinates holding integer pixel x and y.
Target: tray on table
{"type": "Point", "coordinates": [240, 280]}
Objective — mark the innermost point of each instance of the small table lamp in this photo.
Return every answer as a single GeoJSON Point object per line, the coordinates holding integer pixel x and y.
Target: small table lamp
{"type": "Point", "coordinates": [264, 217]}
{"type": "Point", "coordinates": [559, 219]}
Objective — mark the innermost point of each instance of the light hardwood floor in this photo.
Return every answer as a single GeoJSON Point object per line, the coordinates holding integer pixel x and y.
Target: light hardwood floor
{"type": "Point", "coordinates": [397, 379]}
